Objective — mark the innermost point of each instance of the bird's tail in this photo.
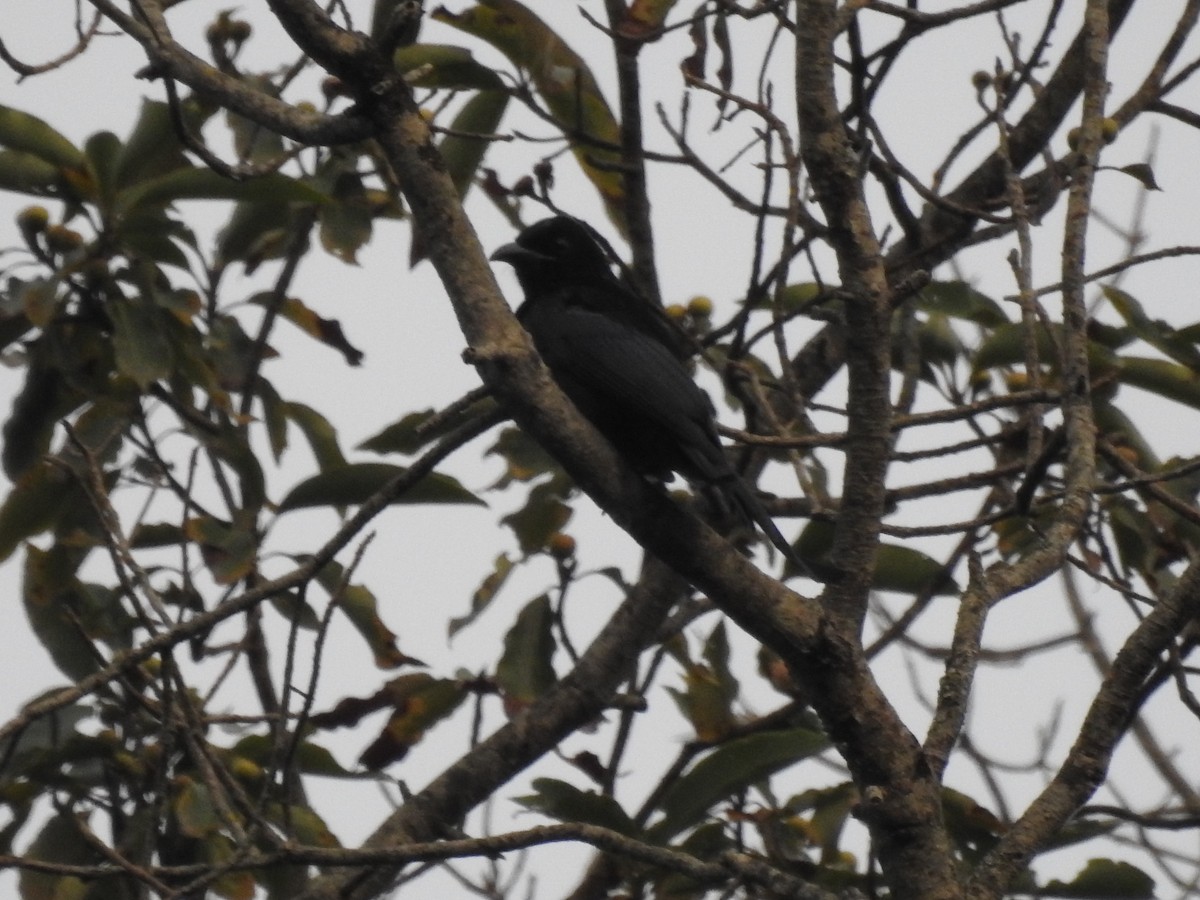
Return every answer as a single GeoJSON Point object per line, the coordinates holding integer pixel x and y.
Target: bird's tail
{"type": "Point", "coordinates": [743, 499]}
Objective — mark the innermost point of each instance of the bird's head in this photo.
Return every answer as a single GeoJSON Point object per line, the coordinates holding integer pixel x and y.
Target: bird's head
{"type": "Point", "coordinates": [560, 250]}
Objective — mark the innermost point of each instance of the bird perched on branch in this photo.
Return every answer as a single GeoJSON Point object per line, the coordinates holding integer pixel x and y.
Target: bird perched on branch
{"type": "Point", "coordinates": [621, 364]}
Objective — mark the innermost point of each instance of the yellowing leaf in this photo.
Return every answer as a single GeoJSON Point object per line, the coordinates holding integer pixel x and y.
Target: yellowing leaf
{"type": "Point", "coordinates": [484, 594]}
{"type": "Point", "coordinates": [229, 553]}
{"type": "Point", "coordinates": [565, 83]}
{"type": "Point", "coordinates": [644, 19]}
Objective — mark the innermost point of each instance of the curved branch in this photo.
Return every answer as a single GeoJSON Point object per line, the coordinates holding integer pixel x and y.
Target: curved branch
{"type": "Point", "coordinates": [169, 59]}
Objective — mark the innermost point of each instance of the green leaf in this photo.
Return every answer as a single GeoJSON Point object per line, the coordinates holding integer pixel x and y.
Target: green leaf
{"type": "Point", "coordinates": [1142, 173]}
{"type": "Point", "coordinates": [1105, 878]}
{"type": "Point", "coordinates": [565, 83]}
{"type": "Point", "coordinates": [709, 841]}
{"type": "Point", "coordinates": [897, 567]}
{"type": "Point", "coordinates": [274, 190]}
{"type": "Point", "coordinates": [908, 571]}
{"type": "Point", "coordinates": [230, 553]}
{"type": "Point", "coordinates": [567, 803]}
{"type": "Point", "coordinates": [295, 610]}
{"type": "Point", "coordinates": [21, 131]}
{"type": "Point", "coordinates": [415, 430]}
{"type": "Point", "coordinates": [142, 344]}
{"type": "Point", "coordinates": [152, 148]}
{"type": "Point", "coordinates": [101, 428]}
{"type": "Point", "coordinates": [274, 416]}
{"type": "Point", "coordinates": [219, 851]}
{"type": "Point", "coordinates": [1005, 346]}
{"type": "Point", "coordinates": [831, 808]}
{"type": "Point", "coordinates": [1159, 376]}
{"type": "Point", "coordinates": [1115, 425]}
{"type": "Point", "coordinates": [310, 758]}
{"type": "Point", "coordinates": [1078, 831]}
{"type": "Point", "coordinates": [45, 398]}
{"type": "Point", "coordinates": [156, 534]}
{"type": "Point", "coordinates": [355, 483]}
{"type": "Point", "coordinates": [543, 514]}
{"type": "Point", "coordinates": [444, 66]}
{"type": "Point", "coordinates": [102, 151]}
{"type": "Point", "coordinates": [50, 594]}
{"type": "Point", "coordinates": [308, 827]}
{"type": "Point", "coordinates": [711, 689]}
{"type": "Point", "coordinates": [526, 670]}
{"type": "Point", "coordinates": [152, 235]}
{"type": "Point", "coordinates": [960, 300]}
{"type": "Point", "coordinates": [729, 769]}
{"type": "Point", "coordinates": [346, 220]}
{"type": "Point", "coordinates": [524, 458]}
{"type": "Point", "coordinates": [252, 141]}
{"type": "Point", "coordinates": [1155, 332]}
{"type": "Point", "coordinates": [25, 173]}
{"type": "Point", "coordinates": [256, 231]}
{"type": "Point", "coordinates": [194, 809]}
{"type": "Point", "coordinates": [34, 504]}
{"type": "Point", "coordinates": [231, 445]}
{"type": "Point", "coordinates": [320, 434]}
{"type": "Point", "coordinates": [402, 436]}
{"type": "Point", "coordinates": [1135, 537]}
{"type": "Point", "coordinates": [795, 297]}
{"type": "Point", "coordinates": [462, 153]}
{"type": "Point", "coordinates": [44, 735]}
{"type": "Point", "coordinates": [59, 841]}
{"type": "Point", "coordinates": [232, 352]}
{"type": "Point", "coordinates": [937, 342]}
{"type": "Point", "coordinates": [480, 115]}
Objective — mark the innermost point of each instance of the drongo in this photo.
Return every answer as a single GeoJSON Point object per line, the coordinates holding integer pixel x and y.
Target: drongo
{"type": "Point", "coordinates": [621, 363]}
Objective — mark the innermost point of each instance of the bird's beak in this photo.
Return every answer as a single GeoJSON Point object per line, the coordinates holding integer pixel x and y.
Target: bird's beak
{"type": "Point", "coordinates": [514, 254]}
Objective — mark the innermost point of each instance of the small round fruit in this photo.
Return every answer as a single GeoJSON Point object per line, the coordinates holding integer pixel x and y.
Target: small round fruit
{"type": "Point", "coordinates": [677, 311]}
{"type": "Point", "coordinates": [1109, 129]}
{"type": "Point", "coordinates": [1016, 381]}
{"type": "Point", "coordinates": [1073, 138]}
{"type": "Point", "coordinates": [700, 307]}
{"type": "Point", "coordinates": [61, 239]}
{"type": "Point", "coordinates": [239, 31]}
{"type": "Point", "coordinates": [33, 219]}
{"type": "Point", "coordinates": [219, 31]}
{"type": "Point", "coordinates": [981, 80]}
{"type": "Point", "coordinates": [333, 87]}
{"type": "Point", "coordinates": [561, 546]}
{"type": "Point", "coordinates": [246, 770]}
{"type": "Point", "coordinates": [981, 380]}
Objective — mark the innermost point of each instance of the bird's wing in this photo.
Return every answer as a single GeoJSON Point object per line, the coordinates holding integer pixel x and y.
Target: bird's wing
{"type": "Point", "coordinates": [620, 363]}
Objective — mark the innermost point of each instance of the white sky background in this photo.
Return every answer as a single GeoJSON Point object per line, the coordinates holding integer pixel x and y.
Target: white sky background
{"type": "Point", "coordinates": [426, 561]}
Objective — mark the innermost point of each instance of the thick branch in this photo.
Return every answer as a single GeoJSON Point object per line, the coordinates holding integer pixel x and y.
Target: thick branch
{"type": "Point", "coordinates": [885, 758]}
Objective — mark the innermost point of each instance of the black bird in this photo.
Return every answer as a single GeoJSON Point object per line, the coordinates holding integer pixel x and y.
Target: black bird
{"type": "Point", "coordinates": [620, 363]}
